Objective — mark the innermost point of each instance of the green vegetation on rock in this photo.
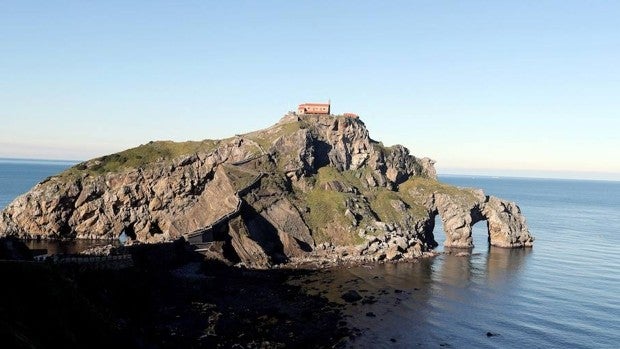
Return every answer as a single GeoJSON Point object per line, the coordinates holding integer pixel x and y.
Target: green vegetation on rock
{"type": "Point", "coordinates": [327, 208]}
{"type": "Point", "coordinates": [141, 156]}
{"type": "Point", "coordinates": [326, 211]}
{"type": "Point", "coordinates": [419, 188]}
{"type": "Point", "coordinates": [380, 202]}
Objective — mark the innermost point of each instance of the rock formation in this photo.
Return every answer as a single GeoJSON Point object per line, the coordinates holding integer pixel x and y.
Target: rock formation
{"type": "Point", "coordinates": [311, 186]}
{"type": "Point", "coordinates": [506, 224]}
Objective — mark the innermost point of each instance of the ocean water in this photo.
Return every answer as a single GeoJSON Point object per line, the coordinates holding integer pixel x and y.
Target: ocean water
{"type": "Point", "coordinates": [562, 293]}
{"type": "Point", "coordinates": [17, 176]}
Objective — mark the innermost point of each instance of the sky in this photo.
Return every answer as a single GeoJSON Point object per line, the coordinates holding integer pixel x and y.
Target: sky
{"type": "Point", "coordinates": [527, 88]}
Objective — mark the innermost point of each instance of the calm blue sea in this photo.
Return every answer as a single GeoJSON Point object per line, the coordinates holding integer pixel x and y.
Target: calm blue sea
{"type": "Point", "coordinates": [17, 176]}
{"type": "Point", "coordinates": [562, 293]}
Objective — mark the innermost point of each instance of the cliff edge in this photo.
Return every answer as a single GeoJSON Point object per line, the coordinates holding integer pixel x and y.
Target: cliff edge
{"type": "Point", "coordinates": [309, 187]}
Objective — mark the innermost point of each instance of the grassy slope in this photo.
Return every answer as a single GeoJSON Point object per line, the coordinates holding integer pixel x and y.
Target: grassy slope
{"type": "Point", "coordinates": [165, 151]}
{"type": "Point", "coordinates": [417, 189]}
{"type": "Point", "coordinates": [326, 217]}
{"type": "Point", "coordinates": [141, 156]}
{"type": "Point", "coordinates": [326, 208]}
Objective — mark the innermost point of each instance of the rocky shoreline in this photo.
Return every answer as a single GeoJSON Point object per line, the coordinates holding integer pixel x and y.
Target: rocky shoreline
{"type": "Point", "coordinates": [171, 297]}
{"type": "Point", "coordinates": [192, 306]}
{"type": "Point", "coordinates": [325, 256]}
{"type": "Point", "coordinates": [309, 189]}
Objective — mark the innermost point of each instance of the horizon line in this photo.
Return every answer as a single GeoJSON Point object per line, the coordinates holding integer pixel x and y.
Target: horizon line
{"type": "Point", "coordinates": [487, 172]}
{"type": "Point", "coordinates": [533, 177]}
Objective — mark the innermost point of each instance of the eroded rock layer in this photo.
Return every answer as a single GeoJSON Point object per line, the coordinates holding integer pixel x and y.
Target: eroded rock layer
{"type": "Point", "coordinates": [309, 186]}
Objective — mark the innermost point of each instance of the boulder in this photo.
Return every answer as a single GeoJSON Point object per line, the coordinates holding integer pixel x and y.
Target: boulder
{"type": "Point", "coordinates": [401, 243]}
{"type": "Point", "coordinates": [393, 253]}
{"type": "Point", "coordinates": [351, 296]}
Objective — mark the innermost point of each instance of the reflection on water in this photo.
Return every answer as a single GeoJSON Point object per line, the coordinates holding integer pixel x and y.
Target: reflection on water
{"type": "Point", "coordinates": [408, 304]}
{"type": "Point", "coordinates": [456, 270]}
{"type": "Point", "coordinates": [65, 247]}
{"type": "Point", "coordinates": [500, 264]}
{"type": "Point", "coordinates": [503, 263]}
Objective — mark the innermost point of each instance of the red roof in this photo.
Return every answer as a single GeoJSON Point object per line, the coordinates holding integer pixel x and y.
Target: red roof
{"type": "Point", "coordinates": [314, 104]}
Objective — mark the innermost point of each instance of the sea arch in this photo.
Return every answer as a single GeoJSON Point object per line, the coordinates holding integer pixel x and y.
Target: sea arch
{"type": "Point", "coordinates": [506, 226]}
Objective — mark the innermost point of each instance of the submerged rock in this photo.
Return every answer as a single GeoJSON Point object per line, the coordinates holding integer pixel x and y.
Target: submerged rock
{"type": "Point", "coordinates": [351, 296]}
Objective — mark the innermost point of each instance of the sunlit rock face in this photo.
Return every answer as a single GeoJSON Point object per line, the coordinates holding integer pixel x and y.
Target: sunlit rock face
{"type": "Point", "coordinates": [311, 186]}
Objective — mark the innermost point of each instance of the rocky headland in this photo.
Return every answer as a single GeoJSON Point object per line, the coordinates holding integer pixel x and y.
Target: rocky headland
{"type": "Point", "coordinates": [309, 189]}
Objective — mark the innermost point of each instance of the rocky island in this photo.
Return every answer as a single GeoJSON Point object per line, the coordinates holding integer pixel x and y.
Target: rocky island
{"type": "Point", "coordinates": [310, 188]}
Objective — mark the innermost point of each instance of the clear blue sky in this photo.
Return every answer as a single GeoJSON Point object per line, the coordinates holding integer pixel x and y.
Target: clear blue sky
{"type": "Point", "coordinates": [495, 87]}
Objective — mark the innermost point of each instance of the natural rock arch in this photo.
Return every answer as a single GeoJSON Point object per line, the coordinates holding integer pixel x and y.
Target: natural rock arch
{"type": "Point", "coordinates": [506, 225]}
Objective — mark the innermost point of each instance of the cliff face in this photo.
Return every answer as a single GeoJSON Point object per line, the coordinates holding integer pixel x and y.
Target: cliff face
{"type": "Point", "coordinates": [307, 186]}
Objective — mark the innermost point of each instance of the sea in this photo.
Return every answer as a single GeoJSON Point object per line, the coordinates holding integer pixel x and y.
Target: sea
{"type": "Point", "coordinates": [562, 293]}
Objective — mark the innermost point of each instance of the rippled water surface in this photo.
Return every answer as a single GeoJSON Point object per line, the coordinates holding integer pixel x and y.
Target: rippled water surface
{"type": "Point", "coordinates": [562, 293]}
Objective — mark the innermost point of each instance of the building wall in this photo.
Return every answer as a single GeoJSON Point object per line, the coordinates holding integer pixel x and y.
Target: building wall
{"type": "Point", "coordinates": [310, 108]}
